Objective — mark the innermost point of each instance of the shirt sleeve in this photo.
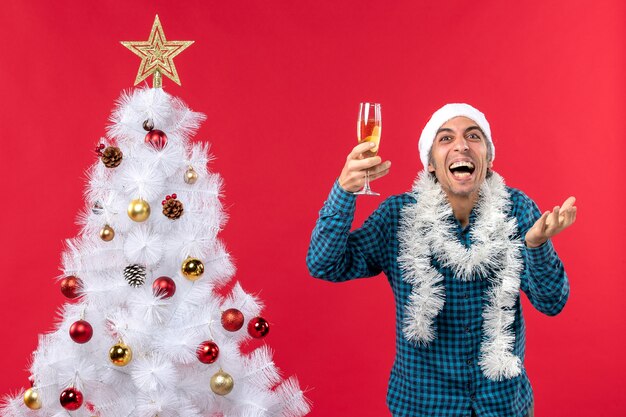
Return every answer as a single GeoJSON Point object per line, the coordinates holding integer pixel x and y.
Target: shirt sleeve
{"type": "Point", "coordinates": [336, 254]}
{"type": "Point", "coordinates": [544, 279]}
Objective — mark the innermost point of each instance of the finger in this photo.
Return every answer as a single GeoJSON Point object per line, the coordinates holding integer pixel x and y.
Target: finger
{"type": "Point", "coordinates": [563, 217]}
{"type": "Point", "coordinates": [379, 173]}
{"type": "Point", "coordinates": [364, 164]}
{"type": "Point", "coordinates": [384, 166]}
{"type": "Point", "coordinates": [359, 149]}
{"type": "Point", "coordinates": [572, 215]}
{"type": "Point", "coordinates": [568, 203]}
{"type": "Point", "coordinates": [552, 221]}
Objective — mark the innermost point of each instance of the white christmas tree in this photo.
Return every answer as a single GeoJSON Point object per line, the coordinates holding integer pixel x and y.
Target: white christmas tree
{"type": "Point", "coordinates": [147, 333]}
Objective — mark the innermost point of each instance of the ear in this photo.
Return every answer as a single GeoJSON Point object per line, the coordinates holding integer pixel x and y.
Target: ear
{"type": "Point", "coordinates": [490, 165]}
{"type": "Point", "coordinates": [431, 167]}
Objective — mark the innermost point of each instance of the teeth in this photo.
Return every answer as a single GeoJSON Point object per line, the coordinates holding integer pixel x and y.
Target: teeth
{"type": "Point", "coordinates": [462, 164]}
{"type": "Point", "coordinates": [461, 174]}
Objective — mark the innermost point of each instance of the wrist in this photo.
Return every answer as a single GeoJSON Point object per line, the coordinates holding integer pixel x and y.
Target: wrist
{"type": "Point", "coordinates": [535, 244]}
{"type": "Point", "coordinates": [344, 186]}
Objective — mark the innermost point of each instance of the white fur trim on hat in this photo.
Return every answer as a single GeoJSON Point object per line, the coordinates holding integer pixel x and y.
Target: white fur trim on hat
{"type": "Point", "coordinates": [447, 112]}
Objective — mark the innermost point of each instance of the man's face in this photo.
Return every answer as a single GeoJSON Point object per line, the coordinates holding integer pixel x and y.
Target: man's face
{"type": "Point", "coordinates": [459, 157]}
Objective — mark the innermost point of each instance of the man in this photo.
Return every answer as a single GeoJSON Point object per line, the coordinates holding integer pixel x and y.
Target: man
{"type": "Point", "coordinates": [456, 251]}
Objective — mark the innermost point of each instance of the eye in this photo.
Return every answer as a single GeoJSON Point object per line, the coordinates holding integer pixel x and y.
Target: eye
{"type": "Point", "coordinates": [445, 138]}
{"type": "Point", "coordinates": [474, 136]}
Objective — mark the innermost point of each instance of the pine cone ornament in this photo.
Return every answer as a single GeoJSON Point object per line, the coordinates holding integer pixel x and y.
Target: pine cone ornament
{"type": "Point", "coordinates": [172, 208]}
{"type": "Point", "coordinates": [135, 275]}
{"type": "Point", "coordinates": [111, 156]}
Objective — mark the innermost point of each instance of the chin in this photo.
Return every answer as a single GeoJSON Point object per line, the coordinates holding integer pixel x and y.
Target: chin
{"type": "Point", "coordinates": [467, 188]}
{"type": "Point", "coordinates": [463, 193]}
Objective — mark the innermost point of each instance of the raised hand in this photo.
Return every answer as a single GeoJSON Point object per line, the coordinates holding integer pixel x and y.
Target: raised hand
{"type": "Point", "coordinates": [551, 223]}
{"type": "Point", "coordinates": [352, 176]}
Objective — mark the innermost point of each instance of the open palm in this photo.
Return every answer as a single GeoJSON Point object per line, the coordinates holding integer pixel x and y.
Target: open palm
{"type": "Point", "coordinates": [551, 223]}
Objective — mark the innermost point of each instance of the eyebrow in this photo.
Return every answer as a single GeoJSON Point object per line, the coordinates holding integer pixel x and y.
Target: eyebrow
{"type": "Point", "coordinates": [447, 129]}
{"type": "Point", "coordinates": [475, 128]}
{"type": "Point", "coordinates": [444, 129]}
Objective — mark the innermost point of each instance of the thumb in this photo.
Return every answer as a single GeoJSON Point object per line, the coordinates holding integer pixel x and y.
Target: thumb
{"type": "Point", "coordinates": [541, 222]}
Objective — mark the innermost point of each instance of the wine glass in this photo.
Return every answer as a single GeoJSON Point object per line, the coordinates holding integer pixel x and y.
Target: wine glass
{"type": "Point", "coordinates": [368, 129]}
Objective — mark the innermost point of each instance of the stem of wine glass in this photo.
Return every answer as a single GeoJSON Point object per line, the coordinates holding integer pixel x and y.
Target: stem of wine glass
{"type": "Point", "coordinates": [366, 187]}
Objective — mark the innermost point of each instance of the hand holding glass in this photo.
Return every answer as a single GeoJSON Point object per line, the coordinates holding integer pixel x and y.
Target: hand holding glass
{"type": "Point", "coordinates": [369, 127]}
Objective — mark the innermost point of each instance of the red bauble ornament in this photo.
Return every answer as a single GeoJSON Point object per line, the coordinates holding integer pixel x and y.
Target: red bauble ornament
{"type": "Point", "coordinates": [81, 331]}
{"type": "Point", "coordinates": [71, 399]}
{"type": "Point", "coordinates": [258, 327]}
{"type": "Point", "coordinates": [207, 352]}
{"type": "Point", "coordinates": [156, 138]}
{"type": "Point", "coordinates": [232, 319]}
{"type": "Point", "coordinates": [164, 287]}
{"type": "Point", "coordinates": [70, 286]}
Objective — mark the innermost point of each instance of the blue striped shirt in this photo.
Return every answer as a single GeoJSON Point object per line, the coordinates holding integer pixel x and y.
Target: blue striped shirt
{"type": "Point", "coordinates": [443, 378]}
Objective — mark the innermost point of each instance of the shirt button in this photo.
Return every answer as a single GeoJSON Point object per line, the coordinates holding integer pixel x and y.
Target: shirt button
{"type": "Point", "coordinates": [466, 295]}
{"type": "Point", "coordinates": [469, 362]}
{"type": "Point", "coordinates": [473, 397]}
{"type": "Point", "coordinates": [467, 329]}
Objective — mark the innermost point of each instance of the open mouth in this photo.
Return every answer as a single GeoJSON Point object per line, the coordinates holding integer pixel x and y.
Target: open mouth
{"type": "Point", "coordinates": [462, 169]}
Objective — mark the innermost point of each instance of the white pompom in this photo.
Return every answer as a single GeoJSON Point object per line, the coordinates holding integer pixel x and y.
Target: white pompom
{"type": "Point", "coordinates": [152, 372]}
{"type": "Point", "coordinates": [143, 246]}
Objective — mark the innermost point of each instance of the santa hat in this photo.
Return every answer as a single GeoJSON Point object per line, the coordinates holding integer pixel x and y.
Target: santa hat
{"type": "Point", "coordinates": [441, 116]}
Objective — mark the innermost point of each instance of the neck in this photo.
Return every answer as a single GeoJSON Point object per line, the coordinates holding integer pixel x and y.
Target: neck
{"type": "Point", "coordinates": [462, 206]}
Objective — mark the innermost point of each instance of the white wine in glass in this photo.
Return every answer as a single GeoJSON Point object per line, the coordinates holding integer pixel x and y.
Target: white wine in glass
{"type": "Point", "coordinates": [369, 126]}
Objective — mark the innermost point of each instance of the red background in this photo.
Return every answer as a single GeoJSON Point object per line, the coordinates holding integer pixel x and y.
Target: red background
{"type": "Point", "coordinates": [280, 83]}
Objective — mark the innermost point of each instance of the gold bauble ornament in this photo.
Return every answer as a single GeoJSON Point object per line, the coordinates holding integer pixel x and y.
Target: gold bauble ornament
{"type": "Point", "coordinates": [222, 383]}
{"type": "Point", "coordinates": [139, 210]}
{"type": "Point", "coordinates": [192, 269]}
{"type": "Point", "coordinates": [31, 399]}
{"type": "Point", "coordinates": [120, 354]}
{"type": "Point", "coordinates": [107, 233]}
{"type": "Point", "coordinates": [191, 176]}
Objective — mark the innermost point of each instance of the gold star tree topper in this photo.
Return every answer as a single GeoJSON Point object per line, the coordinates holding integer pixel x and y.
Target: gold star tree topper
{"type": "Point", "coordinates": [157, 55]}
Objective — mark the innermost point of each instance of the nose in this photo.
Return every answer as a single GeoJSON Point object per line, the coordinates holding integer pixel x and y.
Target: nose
{"type": "Point", "coordinates": [461, 145]}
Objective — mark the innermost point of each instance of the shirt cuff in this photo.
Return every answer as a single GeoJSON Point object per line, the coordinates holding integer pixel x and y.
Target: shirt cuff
{"type": "Point", "coordinates": [544, 254]}
{"type": "Point", "coordinates": [340, 201]}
